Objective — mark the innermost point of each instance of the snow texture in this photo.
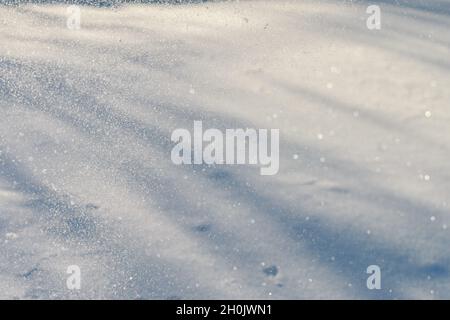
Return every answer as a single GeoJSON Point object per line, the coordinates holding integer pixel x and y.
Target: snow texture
{"type": "Point", "coordinates": [86, 177]}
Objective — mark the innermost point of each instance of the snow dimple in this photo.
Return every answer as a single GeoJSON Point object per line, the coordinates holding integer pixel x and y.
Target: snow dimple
{"type": "Point", "coordinates": [203, 228]}
{"type": "Point", "coordinates": [271, 271]}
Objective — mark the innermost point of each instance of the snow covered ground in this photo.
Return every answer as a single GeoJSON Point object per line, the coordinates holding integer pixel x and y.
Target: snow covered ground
{"type": "Point", "coordinates": [86, 177]}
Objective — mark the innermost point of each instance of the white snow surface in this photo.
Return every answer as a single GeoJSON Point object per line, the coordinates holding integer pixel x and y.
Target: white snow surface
{"type": "Point", "coordinates": [86, 177]}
